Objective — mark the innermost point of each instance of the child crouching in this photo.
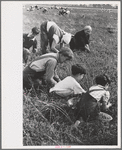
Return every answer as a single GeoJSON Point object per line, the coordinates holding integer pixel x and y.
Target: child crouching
{"type": "Point", "coordinates": [94, 100]}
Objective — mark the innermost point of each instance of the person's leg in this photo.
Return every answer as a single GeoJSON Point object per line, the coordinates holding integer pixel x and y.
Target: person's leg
{"type": "Point", "coordinates": [28, 75]}
{"type": "Point", "coordinates": [26, 54]}
{"type": "Point", "coordinates": [72, 44]}
{"type": "Point", "coordinates": [92, 110]}
{"type": "Point", "coordinates": [38, 79]}
{"type": "Point", "coordinates": [81, 107]}
{"type": "Point", "coordinates": [26, 82]}
{"type": "Point", "coordinates": [44, 38]}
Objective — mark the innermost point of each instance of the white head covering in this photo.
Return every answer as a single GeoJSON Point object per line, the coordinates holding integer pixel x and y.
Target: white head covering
{"type": "Point", "coordinates": [88, 28]}
{"type": "Point", "coordinates": [66, 38]}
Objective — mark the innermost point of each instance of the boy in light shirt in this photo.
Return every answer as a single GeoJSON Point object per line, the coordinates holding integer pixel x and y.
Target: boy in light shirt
{"type": "Point", "coordinates": [70, 85]}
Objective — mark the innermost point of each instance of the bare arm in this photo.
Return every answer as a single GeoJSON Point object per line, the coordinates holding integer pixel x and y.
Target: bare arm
{"type": "Point", "coordinates": [61, 45]}
{"type": "Point", "coordinates": [105, 103]}
{"type": "Point", "coordinates": [56, 77]}
{"type": "Point", "coordinates": [50, 72]}
{"type": "Point", "coordinates": [53, 46]}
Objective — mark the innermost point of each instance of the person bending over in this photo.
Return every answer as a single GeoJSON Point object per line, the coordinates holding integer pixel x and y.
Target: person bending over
{"type": "Point", "coordinates": [70, 85]}
{"type": "Point", "coordinates": [81, 39]}
{"type": "Point", "coordinates": [43, 68]}
{"type": "Point", "coordinates": [29, 40]}
{"type": "Point", "coordinates": [52, 34]}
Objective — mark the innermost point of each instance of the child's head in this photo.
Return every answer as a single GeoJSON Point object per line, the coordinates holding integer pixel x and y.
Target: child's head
{"type": "Point", "coordinates": [103, 80]}
{"type": "Point", "coordinates": [78, 71]}
{"type": "Point", "coordinates": [35, 31]}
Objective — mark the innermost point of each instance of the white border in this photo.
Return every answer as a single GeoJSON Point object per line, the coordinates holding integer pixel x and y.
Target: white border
{"type": "Point", "coordinates": [11, 30]}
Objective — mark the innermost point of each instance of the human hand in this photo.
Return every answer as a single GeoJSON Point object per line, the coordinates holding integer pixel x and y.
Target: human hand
{"type": "Point", "coordinates": [27, 51]}
{"type": "Point", "coordinates": [54, 50]}
{"type": "Point", "coordinates": [35, 50]}
{"type": "Point", "coordinates": [87, 47]}
{"type": "Point", "coordinates": [59, 80]}
{"type": "Point", "coordinates": [109, 105]}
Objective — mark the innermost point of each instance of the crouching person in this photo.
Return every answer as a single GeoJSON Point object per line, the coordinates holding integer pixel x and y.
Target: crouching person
{"type": "Point", "coordinates": [29, 40]}
{"type": "Point", "coordinates": [52, 34]}
{"type": "Point", "coordinates": [44, 68]}
{"type": "Point", "coordinates": [80, 40]}
{"type": "Point", "coordinates": [70, 86]}
{"type": "Point", "coordinates": [94, 100]}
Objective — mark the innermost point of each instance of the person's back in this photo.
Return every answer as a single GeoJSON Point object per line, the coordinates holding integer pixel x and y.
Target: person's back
{"type": "Point", "coordinates": [70, 85]}
{"type": "Point", "coordinates": [54, 30]}
{"type": "Point", "coordinates": [39, 63]}
{"type": "Point", "coordinates": [80, 40]}
{"type": "Point", "coordinates": [52, 34]}
{"type": "Point", "coordinates": [43, 65]}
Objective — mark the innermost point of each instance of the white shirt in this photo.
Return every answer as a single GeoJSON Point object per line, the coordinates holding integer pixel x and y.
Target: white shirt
{"type": "Point", "coordinates": [49, 24]}
{"type": "Point", "coordinates": [99, 94]}
{"type": "Point", "coordinates": [67, 87]}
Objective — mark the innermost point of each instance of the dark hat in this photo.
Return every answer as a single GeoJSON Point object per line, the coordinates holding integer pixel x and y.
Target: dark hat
{"type": "Point", "coordinates": [35, 30]}
{"type": "Point", "coordinates": [77, 68]}
{"type": "Point", "coordinates": [65, 51]}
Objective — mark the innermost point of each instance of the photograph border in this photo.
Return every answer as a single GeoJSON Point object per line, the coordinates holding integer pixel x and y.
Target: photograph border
{"type": "Point", "coordinates": [12, 114]}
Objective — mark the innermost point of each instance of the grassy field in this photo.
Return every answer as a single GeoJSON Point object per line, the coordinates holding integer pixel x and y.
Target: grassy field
{"type": "Point", "coordinates": [58, 128]}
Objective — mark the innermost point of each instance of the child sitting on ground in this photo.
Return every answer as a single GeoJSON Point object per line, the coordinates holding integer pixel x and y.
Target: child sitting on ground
{"type": "Point", "coordinates": [94, 100]}
{"type": "Point", "coordinates": [70, 85]}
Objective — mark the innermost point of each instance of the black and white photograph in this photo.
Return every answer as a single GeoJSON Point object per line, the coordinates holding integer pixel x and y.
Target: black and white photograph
{"type": "Point", "coordinates": [64, 91]}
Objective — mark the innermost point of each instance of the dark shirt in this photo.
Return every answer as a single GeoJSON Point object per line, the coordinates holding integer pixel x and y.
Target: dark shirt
{"type": "Point", "coordinates": [81, 39]}
{"type": "Point", "coordinates": [28, 43]}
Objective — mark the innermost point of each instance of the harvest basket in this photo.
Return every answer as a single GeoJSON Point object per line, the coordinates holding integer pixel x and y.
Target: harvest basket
{"type": "Point", "coordinates": [104, 117]}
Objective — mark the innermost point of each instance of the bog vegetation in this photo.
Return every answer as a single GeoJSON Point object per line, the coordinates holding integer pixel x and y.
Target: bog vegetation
{"type": "Point", "coordinates": [57, 128]}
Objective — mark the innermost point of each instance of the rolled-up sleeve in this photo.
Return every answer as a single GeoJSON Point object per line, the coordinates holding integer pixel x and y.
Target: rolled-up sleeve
{"type": "Point", "coordinates": [50, 72]}
{"type": "Point", "coordinates": [78, 89]}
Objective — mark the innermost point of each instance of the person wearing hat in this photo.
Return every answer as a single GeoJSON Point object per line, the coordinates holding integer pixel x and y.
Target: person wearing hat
{"type": "Point", "coordinates": [44, 68]}
{"type": "Point", "coordinates": [52, 34]}
{"type": "Point", "coordinates": [29, 40]}
{"type": "Point", "coordinates": [81, 39]}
